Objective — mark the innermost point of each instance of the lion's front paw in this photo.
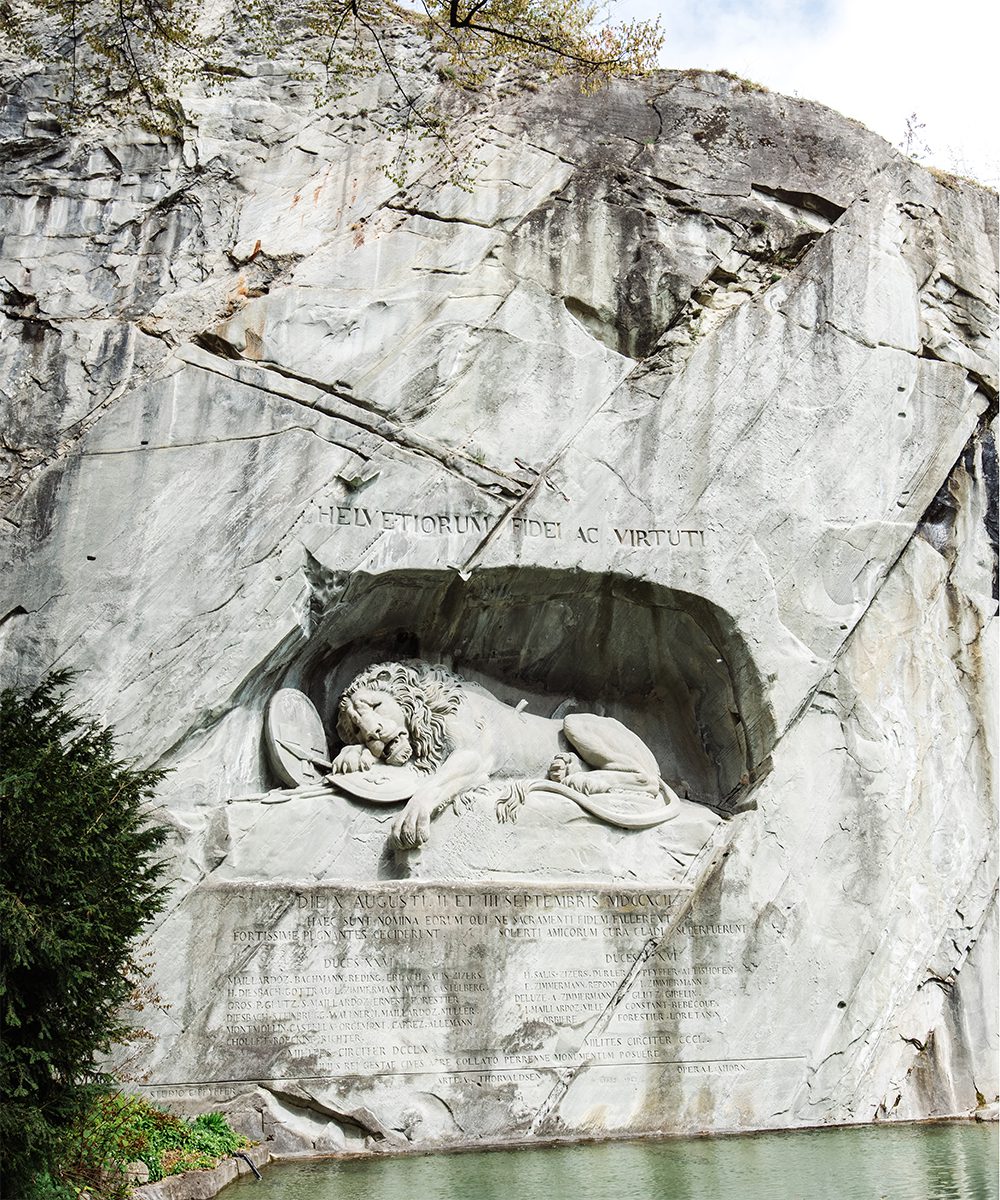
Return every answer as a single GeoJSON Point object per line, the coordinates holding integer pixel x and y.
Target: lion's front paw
{"type": "Point", "coordinates": [559, 769]}
{"type": "Point", "coordinates": [353, 758]}
{"type": "Point", "coordinates": [412, 828]}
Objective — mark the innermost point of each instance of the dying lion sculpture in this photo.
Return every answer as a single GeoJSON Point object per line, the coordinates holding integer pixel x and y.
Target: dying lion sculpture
{"type": "Point", "coordinates": [418, 732]}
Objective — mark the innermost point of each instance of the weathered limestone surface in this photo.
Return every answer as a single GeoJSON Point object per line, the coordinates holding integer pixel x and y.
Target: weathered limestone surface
{"type": "Point", "coordinates": [686, 415]}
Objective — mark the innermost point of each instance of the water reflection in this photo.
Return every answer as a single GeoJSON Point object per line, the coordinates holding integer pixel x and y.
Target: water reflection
{"type": "Point", "coordinates": [910, 1162]}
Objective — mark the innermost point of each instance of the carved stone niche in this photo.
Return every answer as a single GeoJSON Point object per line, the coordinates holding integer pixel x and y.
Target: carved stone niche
{"type": "Point", "coordinates": [668, 665]}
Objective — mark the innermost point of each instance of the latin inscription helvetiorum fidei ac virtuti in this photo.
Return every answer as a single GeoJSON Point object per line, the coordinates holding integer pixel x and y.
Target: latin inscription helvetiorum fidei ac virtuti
{"type": "Point", "coordinates": [371, 519]}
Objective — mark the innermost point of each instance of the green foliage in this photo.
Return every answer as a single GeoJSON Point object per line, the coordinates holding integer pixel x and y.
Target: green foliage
{"type": "Point", "coordinates": [44, 1187]}
{"type": "Point", "coordinates": [78, 880]}
{"type": "Point", "coordinates": [120, 1129]}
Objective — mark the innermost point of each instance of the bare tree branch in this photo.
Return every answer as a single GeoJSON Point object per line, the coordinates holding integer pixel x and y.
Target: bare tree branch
{"type": "Point", "coordinates": [538, 42]}
{"type": "Point", "coordinates": [140, 79]}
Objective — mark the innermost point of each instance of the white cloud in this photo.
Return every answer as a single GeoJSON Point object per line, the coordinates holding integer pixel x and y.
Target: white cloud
{"type": "Point", "coordinates": [875, 60]}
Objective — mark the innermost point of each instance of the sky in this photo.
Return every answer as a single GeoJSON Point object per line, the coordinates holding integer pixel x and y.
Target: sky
{"type": "Point", "coordinates": [879, 61]}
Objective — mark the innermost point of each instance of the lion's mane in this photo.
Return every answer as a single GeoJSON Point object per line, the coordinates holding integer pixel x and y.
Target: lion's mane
{"type": "Point", "coordinates": [427, 694]}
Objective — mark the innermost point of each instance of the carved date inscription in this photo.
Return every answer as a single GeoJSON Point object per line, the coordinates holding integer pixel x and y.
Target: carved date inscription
{"type": "Point", "coordinates": [416, 978]}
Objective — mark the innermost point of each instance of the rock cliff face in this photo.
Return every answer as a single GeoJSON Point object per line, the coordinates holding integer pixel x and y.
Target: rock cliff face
{"type": "Point", "coordinates": [686, 413]}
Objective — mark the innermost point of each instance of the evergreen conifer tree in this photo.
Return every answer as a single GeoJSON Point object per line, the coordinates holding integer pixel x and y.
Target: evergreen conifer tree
{"type": "Point", "coordinates": [79, 878]}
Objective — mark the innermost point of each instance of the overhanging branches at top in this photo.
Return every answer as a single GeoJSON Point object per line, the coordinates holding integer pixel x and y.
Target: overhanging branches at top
{"type": "Point", "coordinates": [134, 57]}
{"type": "Point", "coordinates": [561, 35]}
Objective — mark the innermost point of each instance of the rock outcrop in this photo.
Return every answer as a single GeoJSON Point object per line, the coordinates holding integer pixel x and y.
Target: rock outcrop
{"type": "Point", "coordinates": [686, 412]}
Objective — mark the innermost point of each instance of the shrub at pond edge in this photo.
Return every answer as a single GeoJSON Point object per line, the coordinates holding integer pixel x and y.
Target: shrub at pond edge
{"type": "Point", "coordinates": [122, 1129]}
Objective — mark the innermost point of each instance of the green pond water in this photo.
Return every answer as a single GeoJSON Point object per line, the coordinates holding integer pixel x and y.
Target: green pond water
{"type": "Point", "coordinates": [906, 1162]}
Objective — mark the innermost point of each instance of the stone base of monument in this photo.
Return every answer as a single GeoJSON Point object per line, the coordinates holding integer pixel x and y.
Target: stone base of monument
{"type": "Point", "coordinates": [203, 1185]}
{"type": "Point", "coordinates": [309, 841]}
{"type": "Point", "coordinates": [355, 1018]}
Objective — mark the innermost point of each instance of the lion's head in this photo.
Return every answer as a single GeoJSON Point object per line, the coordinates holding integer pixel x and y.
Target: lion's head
{"type": "Point", "coordinates": [427, 695]}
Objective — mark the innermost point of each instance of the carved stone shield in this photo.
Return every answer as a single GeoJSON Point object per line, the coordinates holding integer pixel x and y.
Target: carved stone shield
{"type": "Point", "coordinates": [294, 737]}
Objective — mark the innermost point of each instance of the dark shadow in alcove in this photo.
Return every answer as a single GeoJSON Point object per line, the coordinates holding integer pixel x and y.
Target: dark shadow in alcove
{"type": "Point", "coordinates": [669, 664]}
